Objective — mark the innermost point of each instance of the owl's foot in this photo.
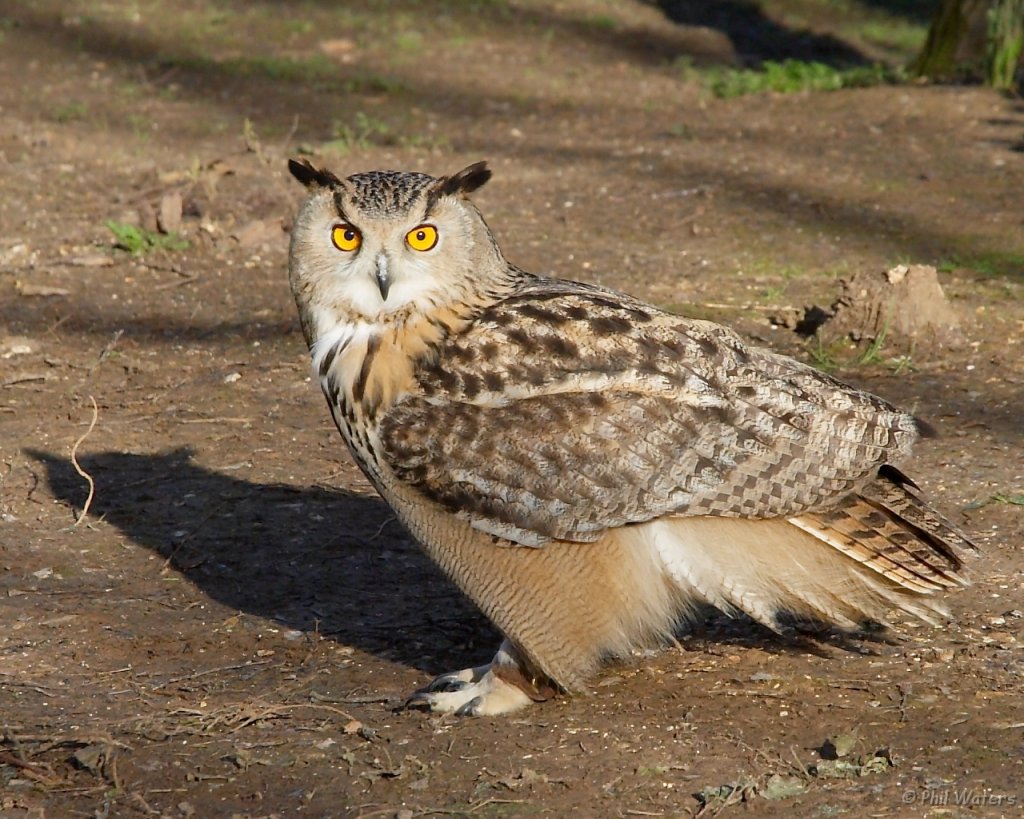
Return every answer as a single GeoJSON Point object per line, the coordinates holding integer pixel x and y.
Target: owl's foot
{"type": "Point", "coordinates": [500, 687]}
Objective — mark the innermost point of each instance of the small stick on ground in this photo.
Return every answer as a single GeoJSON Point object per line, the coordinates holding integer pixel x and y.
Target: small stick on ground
{"type": "Point", "coordinates": [186, 278]}
{"type": "Point", "coordinates": [107, 349]}
{"type": "Point", "coordinates": [78, 466]}
{"type": "Point", "coordinates": [40, 773]}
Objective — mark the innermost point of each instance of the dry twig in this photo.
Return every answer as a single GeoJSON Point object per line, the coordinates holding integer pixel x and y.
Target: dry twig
{"type": "Point", "coordinates": [78, 466]}
{"type": "Point", "coordinates": [107, 350]}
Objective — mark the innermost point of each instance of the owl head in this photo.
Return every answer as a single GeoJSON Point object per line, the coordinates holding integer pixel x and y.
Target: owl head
{"type": "Point", "coordinates": [377, 246]}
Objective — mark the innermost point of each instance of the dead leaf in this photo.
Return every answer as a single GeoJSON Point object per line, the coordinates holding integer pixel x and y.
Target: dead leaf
{"type": "Point", "coordinates": [782, 787]}
{"type": "Point", "coordinates": [838, 746]}
{"type": "Point", "coordinates": [240, 758]}
{"type": "Point", "coordinates": [527, 777]}
{"type": "Point", "coordinates": [91, 758]}
{"type": "Point", "coordinates": [878, 762]}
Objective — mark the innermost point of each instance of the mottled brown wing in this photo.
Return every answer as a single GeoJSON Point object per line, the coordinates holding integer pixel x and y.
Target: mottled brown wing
{"type": "Point", "coordinates": [567, 410]}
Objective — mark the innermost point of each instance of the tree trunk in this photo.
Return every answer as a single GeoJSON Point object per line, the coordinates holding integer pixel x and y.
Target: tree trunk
{"type": "Point", "coordinates": [956, 40]}
{"type": "Point", "coordinates": [1005, 42]}
{"type": "Point", "coordinates": [983, 39]}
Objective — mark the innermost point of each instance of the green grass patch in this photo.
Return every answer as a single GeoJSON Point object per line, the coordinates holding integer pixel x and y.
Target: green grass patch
{"type": "Point", "coordinates": [989, 263]}
{"type": "Point", "coordinates": [894, 35]}
{"type": "Point", "coordinates": [368, 83]}
{"type": "Point", "coordinates": [790, 76]}
{"type": "Point", "coordinates": [359, 134]}
{"type": "Point", "coordinates": [604, 22]}
{"type": "Point", "coordinates": [289, 69]}
{"type": "Point", "coordinates": [1015, 499]}
{"type": "Point", "coordinates": [409, 43]}
{"type": "Point", "coordinates": [835, 355]}
{"type": "Point", "coordinates": [71, 112]}
{"type": "Point", "coordinates": [137, 240]}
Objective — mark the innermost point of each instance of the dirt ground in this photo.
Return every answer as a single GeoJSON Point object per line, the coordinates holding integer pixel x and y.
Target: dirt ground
{"type": "Point", "coordinates": [232, 625]}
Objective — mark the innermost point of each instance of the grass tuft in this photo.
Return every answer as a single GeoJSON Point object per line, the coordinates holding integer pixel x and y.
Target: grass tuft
{"type": "Point", "coordinates": [791, 76]}
{"type": "Point", "coordinates": [137, 240]}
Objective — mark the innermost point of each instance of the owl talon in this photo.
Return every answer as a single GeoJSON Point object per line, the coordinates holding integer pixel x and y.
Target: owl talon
{"type": "Point", "coordinates": [447, 683]}
{"type": "Point", "coordinates": [486, 690]}
{"type": "Point", "coordinates": [417, 701]}
{"type": "Point", "coordinates": [471, 708]}
{"type": "Point", "coordinates": [454, 680]}
{"type": "Point", "coordinates": [487, 696]}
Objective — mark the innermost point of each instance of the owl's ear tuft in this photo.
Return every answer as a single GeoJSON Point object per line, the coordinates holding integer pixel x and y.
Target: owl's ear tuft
{"type": "Point", "coordinates": [311, 177]}
{"type": "Point", "coordinates": [465, 181]}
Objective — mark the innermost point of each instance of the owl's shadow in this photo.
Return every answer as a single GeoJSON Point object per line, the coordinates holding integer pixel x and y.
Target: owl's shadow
{"type": "Point", "coordinates": [307, 558]}
{"type": "Point", "coordinates": [310, 558]}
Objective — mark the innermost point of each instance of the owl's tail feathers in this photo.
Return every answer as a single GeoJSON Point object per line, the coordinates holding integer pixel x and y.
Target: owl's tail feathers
{"type": "Point", "coordinates": [849, 566]}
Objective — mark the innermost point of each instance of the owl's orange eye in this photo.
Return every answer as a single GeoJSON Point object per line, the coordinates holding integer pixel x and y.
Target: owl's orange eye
{"type": "Point", "coordinates": [423, 237]}
{"type": "Point", "coordinates": [346, 237]}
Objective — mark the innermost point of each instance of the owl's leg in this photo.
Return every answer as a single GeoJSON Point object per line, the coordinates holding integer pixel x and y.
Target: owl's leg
{"type": "Point", "coordinates": [506, 684]}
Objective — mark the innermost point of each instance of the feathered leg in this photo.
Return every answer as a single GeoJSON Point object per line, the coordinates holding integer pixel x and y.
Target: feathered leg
{"type": "Point", "coordinates": [561, 608]}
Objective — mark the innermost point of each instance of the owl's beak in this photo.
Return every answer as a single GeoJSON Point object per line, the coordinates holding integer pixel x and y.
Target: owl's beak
{"type": "Point", "coordinates": [383, 276]}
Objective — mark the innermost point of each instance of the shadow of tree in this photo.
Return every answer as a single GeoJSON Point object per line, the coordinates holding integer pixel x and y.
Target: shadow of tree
{"type": "Point", "coordinates": [919, 11]}
{"type": "Point", "coordinates": [756, 37]}
{"type": "Point", "coordinates": [308, 558]}
{"type": "Point", "coordinates": [277, 99]}
{"type": "Point", "coordinates": [246, 86]}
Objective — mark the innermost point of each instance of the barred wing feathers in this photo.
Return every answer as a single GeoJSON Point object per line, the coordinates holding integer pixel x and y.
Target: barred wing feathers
{"type": "Point", "coordinates": [564, 411]}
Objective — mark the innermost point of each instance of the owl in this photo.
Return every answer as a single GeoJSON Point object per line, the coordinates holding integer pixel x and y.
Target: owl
{"type": "Point", "coordinates": [591, 470]}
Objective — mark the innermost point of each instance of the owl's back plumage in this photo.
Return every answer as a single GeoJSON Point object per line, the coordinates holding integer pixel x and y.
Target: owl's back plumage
{"type": "Point", "coordinates": [590, 469]}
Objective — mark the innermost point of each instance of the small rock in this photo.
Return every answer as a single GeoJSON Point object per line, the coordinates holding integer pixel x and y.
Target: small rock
{"type": "Point", "coordinates": [17, 345]}
{"type": "Point", "coordinates": [258, 232]}
{"type": "Point", "coordinates": [91, 260]}
{"type": "Point", "coordinates": [168, 215]}
{"type": "Point", "coordinates": [341, 49]}
{"type": "Point", "coordinates": [938, 655]}
{"type": "Point", "coordinates": [30, 289]}
{"type": "Point", "coordinates": [147, 217]}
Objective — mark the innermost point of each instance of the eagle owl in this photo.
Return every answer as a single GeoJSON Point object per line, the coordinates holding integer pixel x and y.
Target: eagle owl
{"type": "Point", "coordinates": [590, 470]}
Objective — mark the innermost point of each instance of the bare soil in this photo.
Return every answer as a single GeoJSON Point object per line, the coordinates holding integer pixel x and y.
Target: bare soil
{"type": "Point", "coordinates": [204, 609]}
